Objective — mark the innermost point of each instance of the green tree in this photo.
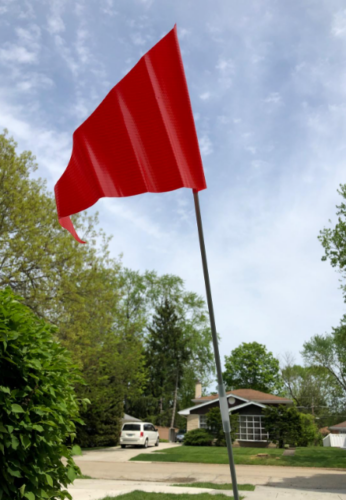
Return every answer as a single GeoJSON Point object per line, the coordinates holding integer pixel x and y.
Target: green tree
{"type": "Point", "coordinates": [333, 240]}
{"type": "Point", "coordinates": [215, 427]}
{"type": "Point", "coordinates": [38, 406]}
{"type": "Point", "coordinates": [143, 294]}
{"type": "Point", "coordinates": [312, 388]}
{"type": "Point", "coordinates": [251, 366]}
{"type": "Point", "coordinates": [310, 435]}
{"type": "Point", "coordinates": [283, 424]}
{"type": "Point", "coordinates": [328, 353]}
{"type": "Point", "coordinates": [168, 352]}
{"type": "Point", "coordinates": [76, 287]}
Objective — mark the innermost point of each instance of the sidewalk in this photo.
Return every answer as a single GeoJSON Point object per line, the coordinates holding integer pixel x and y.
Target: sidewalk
{"type": "Point", "coordinates": [91, 489]}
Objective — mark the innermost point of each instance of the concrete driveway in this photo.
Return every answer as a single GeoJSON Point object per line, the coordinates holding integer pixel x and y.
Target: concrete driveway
{"type": "Point", "coordinates": [112, 463]}
{"type": "Point", "coordinates": [117, 454]}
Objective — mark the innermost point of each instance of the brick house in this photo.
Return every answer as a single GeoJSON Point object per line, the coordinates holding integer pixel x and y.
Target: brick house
{"type": "Point", "coordinates": [248, 404]}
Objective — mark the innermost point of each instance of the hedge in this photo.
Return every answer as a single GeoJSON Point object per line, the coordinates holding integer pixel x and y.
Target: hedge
{"type": "Point", "coordinates": [38, 407]}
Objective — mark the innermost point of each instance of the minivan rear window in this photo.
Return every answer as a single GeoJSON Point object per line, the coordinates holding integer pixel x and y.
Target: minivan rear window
{"type": "Point", "coordinates": [131, 427]}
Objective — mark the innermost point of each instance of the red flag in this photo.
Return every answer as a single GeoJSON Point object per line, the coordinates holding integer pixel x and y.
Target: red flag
{"type": "Point", "coordinates": [141, 138]}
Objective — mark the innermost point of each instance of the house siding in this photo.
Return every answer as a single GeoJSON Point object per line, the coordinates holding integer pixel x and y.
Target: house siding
{"type": "Point", "coordinates": [192, 422]}
{"type": "Point", "coordinates": [249, 410]}
{"type": "Point", "coordinates": [205, 409]}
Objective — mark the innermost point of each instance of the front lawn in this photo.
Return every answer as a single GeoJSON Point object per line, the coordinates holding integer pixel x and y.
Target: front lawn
{"type": "Point", "coordinates": [140, 495]}
{"type": "Point", "coordinates": [304, 457]}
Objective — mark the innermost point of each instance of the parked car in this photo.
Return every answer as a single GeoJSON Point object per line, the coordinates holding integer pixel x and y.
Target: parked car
{"type": "Point", "coordinates": [139, 434]}
{"type": "Point", "coordinates": [179, 438]}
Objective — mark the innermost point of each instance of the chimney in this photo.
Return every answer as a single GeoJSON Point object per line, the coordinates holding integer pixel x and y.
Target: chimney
{"type": "Point", "coordinates": [198, 389]}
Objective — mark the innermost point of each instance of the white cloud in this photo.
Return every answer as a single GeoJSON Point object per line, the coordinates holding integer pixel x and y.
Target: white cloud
{"type": "Point", "coordinates": [25, 50]}
{"type": "Point", "coordinates": [146, 3]}
{"type": "Point", "coordinates": [183, 33]}
{"type": "Point", "coordinates": [52, 148]}
{"type": "Point", "coordinates": [108, 8]}
{"type": "Point", "coordinates": [273, 98]}
{"type": "Point", "coordinates": [82, 45]}
{"type": "Point", "coordinates": [65, 52]}
{"type": "Point", "coordinates": [139, 220]}
{"type": "Point", "coordinates": [205, 96]}
{"type": "Point", "coordinates": [225, 65]}
{"type": "Point", "coordinates": [55, 23]}
{"type": "Point", "coordinates": [205, 145]}
{"type": "Point", "coordinates": [138, 39]}
{"type": "Point", "coordinates": [16, 54]}
{"type": "Point", "coordinates": [33, 82]}
{"type": "Point", "coordinates": [339, 24]}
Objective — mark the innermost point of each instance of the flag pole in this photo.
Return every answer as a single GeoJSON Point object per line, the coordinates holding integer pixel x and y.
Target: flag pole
{"type": "Point", "coordinates": [221, 388]}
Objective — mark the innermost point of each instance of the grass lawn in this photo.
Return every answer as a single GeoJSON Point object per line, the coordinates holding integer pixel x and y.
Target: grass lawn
{"type": "Point", "coordinates": [215, 486]}
{"type": "Point", "coordinates": [140, 495]}
{"type": "Point", "coordinates": [304, 457]}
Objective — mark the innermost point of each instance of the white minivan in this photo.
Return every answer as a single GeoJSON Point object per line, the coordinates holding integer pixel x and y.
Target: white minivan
{"type": "Point", "coordinates": [139, 434]}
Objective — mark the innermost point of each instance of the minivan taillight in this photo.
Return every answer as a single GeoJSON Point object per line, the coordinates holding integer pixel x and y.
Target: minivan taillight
{"type": "Point", "coordinates": [141, 434]}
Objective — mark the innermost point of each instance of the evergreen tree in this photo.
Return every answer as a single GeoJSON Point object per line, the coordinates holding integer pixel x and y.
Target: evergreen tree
{"type": "Point", "coordinates": [168, 351]}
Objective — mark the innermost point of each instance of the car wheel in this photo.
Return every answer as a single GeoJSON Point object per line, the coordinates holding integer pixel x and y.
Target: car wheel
{"type": "Point", "coordinates": [157, 442]}
{"type": "Point", "coordinates": [145, 444]}
{"type": "Point", "coordinates": [123, 446]}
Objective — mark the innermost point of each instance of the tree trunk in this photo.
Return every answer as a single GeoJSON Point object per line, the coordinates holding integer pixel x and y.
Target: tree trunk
{"type": "Point", "coordinates": [175, 399]}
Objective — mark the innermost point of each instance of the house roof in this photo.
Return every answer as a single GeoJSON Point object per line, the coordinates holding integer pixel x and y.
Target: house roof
{"type": "Point", "coordinates": [248, 394]}
{"type": "Point", "coordinates": [338, 426]}
{"type": "Point", "coordinates": [236, 408]}
{"type": "Point", "coordinates": [128, 418]}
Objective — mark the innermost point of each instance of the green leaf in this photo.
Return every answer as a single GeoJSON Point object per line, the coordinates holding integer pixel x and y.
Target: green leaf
{"type": "Point", "coordinates": [15, 442]}
{"type": "Point", "coordinates": [17, 409]}
{"type": "Point", "coordinates": [3, 429]}
{"type": "Point", "coordinates": [38, 428]}
{"type": "Point", "coordinates": [49, 480]}
{"type": "Point", "coordinates": [76, 450]}
{"type": "Point", "coordinates": [71, 474]}
{"type": "Point", "coordinates": [29, 495]}
{"type": "Point", "coordinates": [22, 489]}
{"type": "Point", "coordinates": [14, 473]}
{"type": "Point", "coordinates": [5, 389]}
{"type": "Point", "coordinates": [26, 441]}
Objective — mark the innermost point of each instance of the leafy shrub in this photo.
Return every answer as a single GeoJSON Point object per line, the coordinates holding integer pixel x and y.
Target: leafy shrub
{"type": "Point", "coordinates": [289, 426]}
{"type": "Point", "coordinates": [214, 423]}
{"type": "Point", "coordinates": [198, 437]}
{"type": "Point", "coordinates": [38, 406]}
{"type": "Point", "coordinates": [310, 435]}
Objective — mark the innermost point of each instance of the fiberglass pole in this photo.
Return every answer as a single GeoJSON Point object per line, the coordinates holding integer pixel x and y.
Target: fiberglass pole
{"type": "Point", "coordinates": [221, 387]}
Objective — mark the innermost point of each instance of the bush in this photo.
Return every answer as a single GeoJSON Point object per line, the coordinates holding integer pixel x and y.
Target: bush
{"type": "Point", "coordinates": [310, 435]}
{"type": "Point", "coordinates": [198, 437]}
{"type": "Point", "coordinates": [216, 429]}
{"type": "Point", "coordinates": [38, 407]}
{"type": "Point", "coordinates": [283, 424]}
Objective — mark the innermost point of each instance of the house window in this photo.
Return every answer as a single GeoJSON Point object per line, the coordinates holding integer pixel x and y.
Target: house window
{"type": "Point", "coordinates": [251, 428]}
{"type": "Point", "coordinates": [203, 422]}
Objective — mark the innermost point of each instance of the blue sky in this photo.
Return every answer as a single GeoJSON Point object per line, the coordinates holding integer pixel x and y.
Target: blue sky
{"type": "Point", "coordinates": [267, 81]}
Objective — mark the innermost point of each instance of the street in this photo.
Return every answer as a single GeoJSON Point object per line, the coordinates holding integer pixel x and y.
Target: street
{"type": "Point", "coordinates": [112, 463]}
